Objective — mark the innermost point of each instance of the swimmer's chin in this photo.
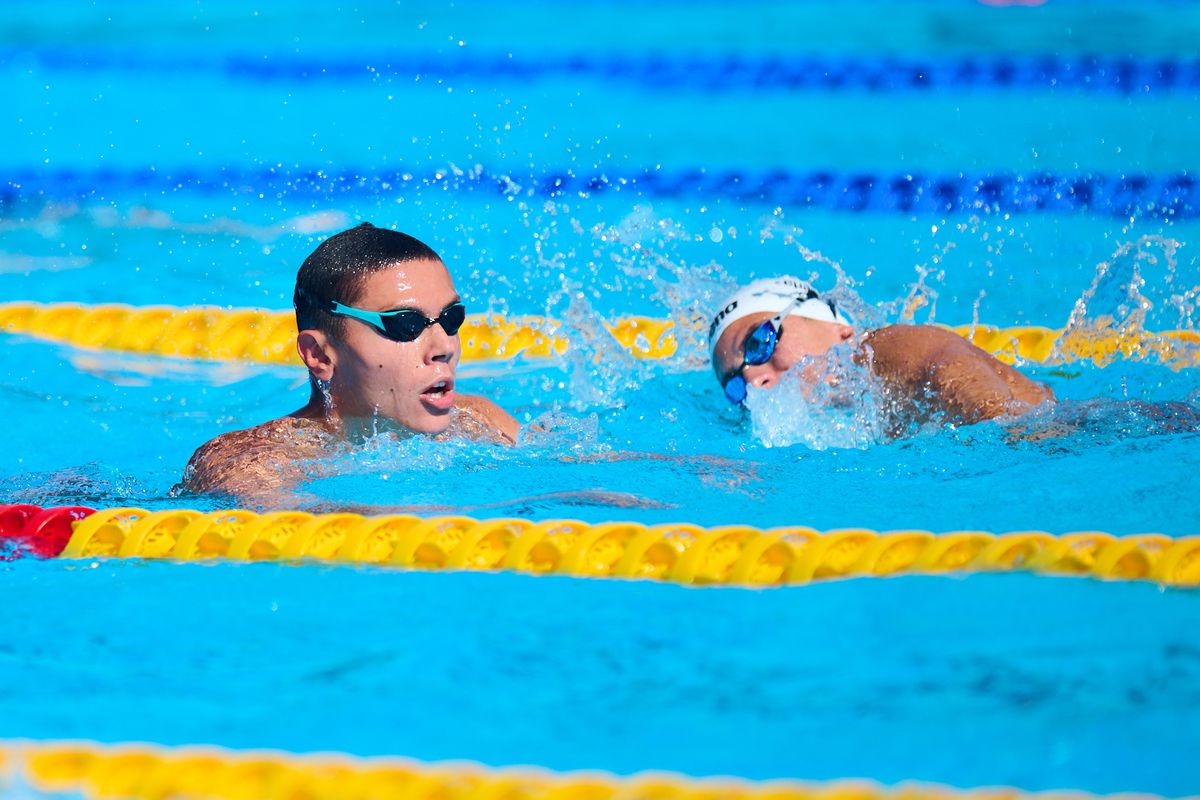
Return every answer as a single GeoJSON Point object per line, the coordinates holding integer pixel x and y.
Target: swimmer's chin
{"type": "Point", "coordinates": [431, 423]}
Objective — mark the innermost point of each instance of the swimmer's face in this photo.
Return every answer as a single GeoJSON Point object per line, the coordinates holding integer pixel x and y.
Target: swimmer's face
{"type": "Point", "coordinates": [800, 337]}
{"type": "Point", "coordinates": [411, 383]}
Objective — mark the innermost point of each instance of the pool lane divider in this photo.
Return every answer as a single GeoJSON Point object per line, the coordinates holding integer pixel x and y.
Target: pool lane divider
{"type": "Point", "coordinates": [268, 337]}
{"type": "Point", "coordinates": [1169, 196]}
{"type": "Point", "coordinates": [152, 772]}
{"type": "Point", "coordinates": [683, 553]}
{"type": "Point", "coordinates": [732, 72]}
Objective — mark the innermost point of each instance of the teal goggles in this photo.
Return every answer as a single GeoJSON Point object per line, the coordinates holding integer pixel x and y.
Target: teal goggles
{"type": "Point", "coordinates": [406, 324]}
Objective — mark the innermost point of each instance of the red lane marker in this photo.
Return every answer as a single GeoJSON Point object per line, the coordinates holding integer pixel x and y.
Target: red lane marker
{"type": "Point", "coordinates": [47, 533]}
{"type": "Point", "coordinates": [14, 517]}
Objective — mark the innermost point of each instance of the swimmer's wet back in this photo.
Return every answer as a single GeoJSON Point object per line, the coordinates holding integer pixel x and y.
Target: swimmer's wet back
{"type": "Point", "coordinates": [488, 502]}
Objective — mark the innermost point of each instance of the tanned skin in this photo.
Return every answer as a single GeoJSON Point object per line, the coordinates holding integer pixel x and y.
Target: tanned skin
{"type": "Point", "coordinates": [934, 366]}
{"type": "Point", "coordinates": [368, 381]}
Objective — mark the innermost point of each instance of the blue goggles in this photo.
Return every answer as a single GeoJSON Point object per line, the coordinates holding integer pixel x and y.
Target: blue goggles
{"type": "Point", "coordinates": [406, 324]}
{"type": "Point", "coordinates": [759, 347]}
{"type": "Point", "coordinates": [756, 351]}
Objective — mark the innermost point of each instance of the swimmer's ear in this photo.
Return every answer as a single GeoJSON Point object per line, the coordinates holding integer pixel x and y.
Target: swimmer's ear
{"type": "Point", "coordinates": [317, 353]}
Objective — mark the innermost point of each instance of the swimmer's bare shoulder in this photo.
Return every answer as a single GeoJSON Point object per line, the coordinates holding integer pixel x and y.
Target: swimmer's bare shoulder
{"type": "Point", "coordinates": [966, 381]}
{"type": "Point", "coordinates": [903, 352]}
{"type": "Point", "coordinates": [256, 460]}
{"type": "Point", "coordinates": [479, 418]}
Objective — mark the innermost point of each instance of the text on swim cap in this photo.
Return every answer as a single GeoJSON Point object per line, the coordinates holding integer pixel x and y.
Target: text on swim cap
{"type": "Point", "coordinates": [724, 312]}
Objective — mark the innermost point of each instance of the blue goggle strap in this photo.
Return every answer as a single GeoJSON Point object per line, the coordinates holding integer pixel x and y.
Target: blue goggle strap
{"type": "Point", "coordinates": [370, 317]}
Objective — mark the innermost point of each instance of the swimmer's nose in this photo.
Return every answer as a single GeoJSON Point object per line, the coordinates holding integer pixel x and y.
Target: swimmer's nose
{"type": "Point", "coordinates": [440, 347]}
{"type": "Point", "coordinates": [761, 376]}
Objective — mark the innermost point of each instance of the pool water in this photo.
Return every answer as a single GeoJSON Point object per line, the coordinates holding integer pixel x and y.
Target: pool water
{"type": "Point", "coordinates": [1012, 680]}
{"type": "Point", "coordinates": [583, 162]}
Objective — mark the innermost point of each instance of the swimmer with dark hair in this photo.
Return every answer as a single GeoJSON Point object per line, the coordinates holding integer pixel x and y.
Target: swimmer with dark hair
{"type": "Point", "coordinates": [768, 327]}
{"type": "Point", "coordinates": [377, 317]}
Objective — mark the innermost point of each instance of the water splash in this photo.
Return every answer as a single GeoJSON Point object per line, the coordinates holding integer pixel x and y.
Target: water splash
{"type": "Point", "coordinates": [646, 248]}
{"type": "Point", "coordinates": [634, 258]}
{"type": "Point", "coordinates": [648, 257]}
{"type": "Point", "coordinates": [843, 291]}
{"type": "Point", "coordinates": [829, 401]}
{"type": "Point", "coordinates": [600, 371]}
{"type": "Point", "coordinates": [550, 258]}
{"type": "Point", "coordinates": [1139, 291]}
{"type": "Point", "coordinates": [94, 484]}
{"type": "Point", "coordinates": [920, 297]}
{"type": "Point", "coordinates": [556, 433]}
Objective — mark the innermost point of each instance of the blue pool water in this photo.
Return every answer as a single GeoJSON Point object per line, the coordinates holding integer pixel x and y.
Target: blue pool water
{"type": "Point", "coordinates": [585, 161]}
{"type": "Point", "coordinates": [1015, 680]}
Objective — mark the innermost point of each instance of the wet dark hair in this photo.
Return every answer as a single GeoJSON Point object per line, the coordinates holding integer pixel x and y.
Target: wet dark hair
{"type": "Point", "coordinates": [338, 267]}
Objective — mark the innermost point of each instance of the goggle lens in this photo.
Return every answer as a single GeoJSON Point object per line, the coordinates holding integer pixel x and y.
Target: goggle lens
{"type": "Point", "coordinates": [760, 344]}
{"type": "Point", "coordinates": [756, 351]}
{"type": "Point", "coordinates": [735, 390]}
{"type": "Point", "coordinates": [407, 325]}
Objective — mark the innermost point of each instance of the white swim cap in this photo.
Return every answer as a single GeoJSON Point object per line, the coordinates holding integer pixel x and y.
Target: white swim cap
{"type": "Point", "coordinates": [774, 295]}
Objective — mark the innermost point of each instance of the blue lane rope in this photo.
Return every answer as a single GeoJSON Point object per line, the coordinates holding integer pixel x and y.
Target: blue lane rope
{"type": "Point", "coordinates": [1170, 196]}
{"type": "Point", "coordinates": [1084, 73]}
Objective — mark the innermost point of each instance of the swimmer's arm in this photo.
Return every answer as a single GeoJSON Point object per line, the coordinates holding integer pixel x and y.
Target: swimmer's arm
{"type": "Point", "coordinates": [959, 378]}
{"type": "Point", "coordinates": [972, 385]}
{"type": "Point", "coordinates": [599, 498]}
{"type": "Point", "coordinates": [480, 411]}
{"type": "Point", "coordinates": [967, 388]}
{"type": "Point", "coordinates": [239, 465]}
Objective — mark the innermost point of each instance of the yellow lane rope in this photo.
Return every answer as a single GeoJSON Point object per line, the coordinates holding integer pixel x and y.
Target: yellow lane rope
{"type": "Point", "coordinates": [268, 336]}
{"type": "Point", "coordinates": [680, 553]}
{"type": "Point", "coordinates": [149, 772]}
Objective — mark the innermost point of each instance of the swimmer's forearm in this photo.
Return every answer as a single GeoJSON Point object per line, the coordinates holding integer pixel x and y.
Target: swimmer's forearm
{"type": "Point", "coordinates": [586, 497]}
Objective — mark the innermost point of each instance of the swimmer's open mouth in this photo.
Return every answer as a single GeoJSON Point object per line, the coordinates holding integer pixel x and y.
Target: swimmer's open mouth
{"type": "Point", "coordinates": [439, 396]}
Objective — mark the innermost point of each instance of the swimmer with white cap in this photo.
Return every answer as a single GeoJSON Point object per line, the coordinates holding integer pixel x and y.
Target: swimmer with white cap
{"type": "Point", "coordinates": [767, 327]}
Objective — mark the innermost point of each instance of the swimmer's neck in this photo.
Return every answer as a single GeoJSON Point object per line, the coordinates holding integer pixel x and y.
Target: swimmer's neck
{"type": "Point", "coordinates": [355, 429]}
{"type": "Point", "coordinates": [318, 409]}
